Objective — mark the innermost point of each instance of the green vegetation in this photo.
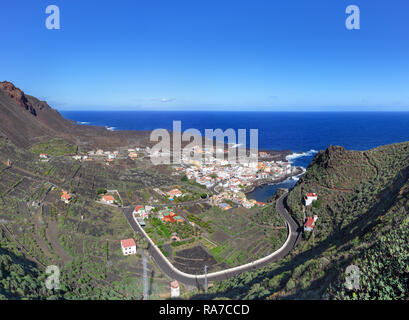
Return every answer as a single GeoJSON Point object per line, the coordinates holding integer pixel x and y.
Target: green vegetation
{"type": "Point", "coordinates": [101, 191]}
{"type": "Point", "coordinates": [203, 224]}
{"type": "Point", "coordinates": [20, 278]}
{"type": "Point", "coordinates": [384, 269]}
{"type": "Point", "coordinates": [362, 220]}
{"type": "Point", "coordinates": [54, 147]}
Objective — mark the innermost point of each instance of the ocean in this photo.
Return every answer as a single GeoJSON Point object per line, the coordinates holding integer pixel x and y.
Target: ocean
{"type": "Point", "coordinates": [304, 133]}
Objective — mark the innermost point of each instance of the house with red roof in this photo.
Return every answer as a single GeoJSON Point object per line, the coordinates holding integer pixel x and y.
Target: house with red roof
{"type": "Point", "coordinates": [175, 193]}
{"type": "Point", "coordinates": [310, 223]}
{"type": "Point", "coordinates": [170, 216]}
{"type": "Point", "coordinates": [66, 197]}
{"type": "Point", "coordinates": [142, 211]}
{"type": "Point", "coordinates": [309, 198]}
{"type": "Point", "coordinates": [128, 246]}
{"type": "Point", "coordinates": [108, 199]}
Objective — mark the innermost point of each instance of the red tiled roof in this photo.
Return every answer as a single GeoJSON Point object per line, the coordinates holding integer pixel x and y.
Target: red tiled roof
{"type": "Point", "coordinates": [65, 195]}
{"type": "Point", "coordinates": [137, 208]}
{"type": "Point", "coordinates": [311, 194]}
{"type": "Point", "coordinates": [310, 222]}
{"type": "Point", "coordinates": [108, 198]}
{"type": "Point", "coordinates": [128, 243]}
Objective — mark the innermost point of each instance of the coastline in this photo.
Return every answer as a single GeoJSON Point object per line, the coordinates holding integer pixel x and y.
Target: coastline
{"type": "Point", "coordinates": [263, 182]}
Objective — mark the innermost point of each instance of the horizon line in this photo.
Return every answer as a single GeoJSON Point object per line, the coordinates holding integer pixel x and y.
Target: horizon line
{"type": "Point", "coordinates": [404, 109]}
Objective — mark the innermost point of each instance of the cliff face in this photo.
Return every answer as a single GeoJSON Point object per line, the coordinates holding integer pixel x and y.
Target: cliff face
{"type": "Point", "coordinates": [25, 120]}
{"type": "Point", "coordinates": [17, 95]}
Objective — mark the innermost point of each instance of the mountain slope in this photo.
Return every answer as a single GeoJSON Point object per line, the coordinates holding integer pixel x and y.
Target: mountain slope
{"type": "Point", "coordinates": [25, 120]}
{"type": "Point", "coordinates": [363, 198]}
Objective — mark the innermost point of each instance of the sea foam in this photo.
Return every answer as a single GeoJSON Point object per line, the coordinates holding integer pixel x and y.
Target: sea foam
{"type": "Point", "coordinates": [296, 155]}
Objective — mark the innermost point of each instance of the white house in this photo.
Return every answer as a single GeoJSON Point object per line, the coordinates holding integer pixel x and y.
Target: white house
{"type": "Point", "coordinates": [310, 223]}
{"type": "Point", "coordinates": [309, 198]}
{"type": "Point", "coordinates": [174, 289]}
{"type": "Point", "coordinates": [175, 193]}
{"type": "Point", "coordinates": [142, 211]}
{"type": "Point", "coordinates": [128, 246]}
{"type": "Point", "coordinates": [108, 199]}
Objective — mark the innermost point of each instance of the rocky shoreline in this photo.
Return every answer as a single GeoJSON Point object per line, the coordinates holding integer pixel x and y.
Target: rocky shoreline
{"type": "Point", "coordinates": [262, 182]}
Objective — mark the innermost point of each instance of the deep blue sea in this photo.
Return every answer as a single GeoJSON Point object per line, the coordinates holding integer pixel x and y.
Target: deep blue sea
{"type": "Point", "coordinates": [302, 132]}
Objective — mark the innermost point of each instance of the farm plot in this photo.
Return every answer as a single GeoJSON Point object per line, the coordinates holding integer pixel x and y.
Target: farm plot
{"type": "Point", "coordinates": [193, 260]}
{"type": "Point", "coordinates": [240, 239]}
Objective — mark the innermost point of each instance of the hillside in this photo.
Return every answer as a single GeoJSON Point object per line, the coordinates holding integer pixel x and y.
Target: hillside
{"type": "Point", "coordinates": [363, 218]}
{"type": "Point", "coordinates": [19, 277]}
{"type": "Point", "coordinates": [25, 120]}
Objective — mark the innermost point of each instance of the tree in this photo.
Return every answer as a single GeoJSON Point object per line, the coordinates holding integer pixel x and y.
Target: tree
{"type": "Point", "coordinates": [101, 191]}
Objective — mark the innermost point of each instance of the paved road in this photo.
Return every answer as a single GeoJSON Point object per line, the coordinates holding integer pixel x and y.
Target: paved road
{"type": "Point", "coordinates": [199, 280]}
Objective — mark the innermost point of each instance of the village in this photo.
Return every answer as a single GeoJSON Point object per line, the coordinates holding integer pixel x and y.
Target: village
{"type": "Point", "coordinates": [167, 218]}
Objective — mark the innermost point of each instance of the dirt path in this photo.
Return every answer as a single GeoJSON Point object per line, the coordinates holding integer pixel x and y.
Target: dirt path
{"type": "Point", "coordinates": [41, 242]}
{"type": "Point", "coordinates": [52, 235]}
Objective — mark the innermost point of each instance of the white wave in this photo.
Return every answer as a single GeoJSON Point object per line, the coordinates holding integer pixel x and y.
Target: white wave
{"type": "Point", "coordinates": [297, 177]}
{"type": "Point", "coordinates": [83, 122]}
{"type": "Point", "coordinates": [111, 128]}
{"type": "Point", "coordinates": [296, 155]}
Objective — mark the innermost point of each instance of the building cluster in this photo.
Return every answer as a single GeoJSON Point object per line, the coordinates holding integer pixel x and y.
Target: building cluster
{"type": "Point", "coordinates": [165, 215]}
{"type": "Point", "coordinates": [233, 179]}
{"type": "Point", "coordinates": [132, 153]}
{"type": "Point", "coordinates": [236, 176]}
{"type": "Point", "coordinates": [108, 156]}
{"type": "Point", "coordinates": [238, 198]}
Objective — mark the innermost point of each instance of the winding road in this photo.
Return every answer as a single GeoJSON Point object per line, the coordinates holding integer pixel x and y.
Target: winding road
{"type": "Point", "coordinates": [199, 280]}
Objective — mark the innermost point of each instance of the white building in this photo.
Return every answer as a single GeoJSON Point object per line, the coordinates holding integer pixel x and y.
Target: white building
{"type": "Point", "coordinates": [128, 246]}
{"type": "Point", "coordinates": [309, 198]}
{"type": "Point", "coordinates": [174, 289]}
{"type": "Point", "coordinates": [310, 223]}
{"type": "Point", "coordinates": [108, 199]}
{"type": "Point", "coordinates": [175, 193]}
{"type": "Point", "coordinates": [142, 211]}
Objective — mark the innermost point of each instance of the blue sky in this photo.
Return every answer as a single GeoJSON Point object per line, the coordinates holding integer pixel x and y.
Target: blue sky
{"type": "Point", "coordinates": [238, 55]}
